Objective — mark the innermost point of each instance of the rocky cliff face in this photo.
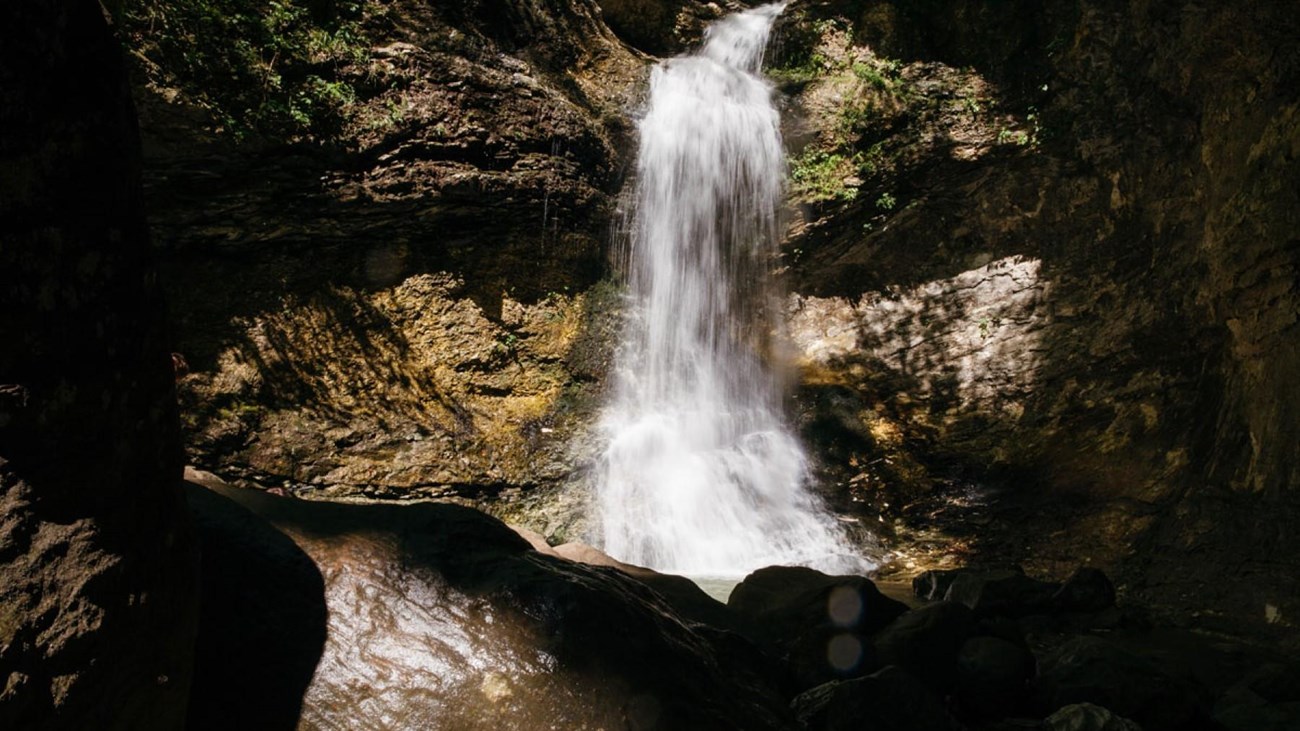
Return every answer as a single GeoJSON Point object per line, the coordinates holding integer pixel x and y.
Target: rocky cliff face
{"type": "Point", "coordinates": [1041, 250]}
{"type": "Point", "coordinates": [1053, 249]}
{"type": "Point", "coordinates": [97, 586]}
{"type": "Point", "coordinates": [398, 301]}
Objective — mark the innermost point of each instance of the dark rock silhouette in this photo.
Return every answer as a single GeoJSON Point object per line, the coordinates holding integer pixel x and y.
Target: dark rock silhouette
{"type": "Point", "coordinates": [97, 561]}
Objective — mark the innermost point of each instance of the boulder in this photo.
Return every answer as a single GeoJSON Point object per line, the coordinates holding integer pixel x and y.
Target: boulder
{"type": "Point", "coordinates": [262, 619]}
{"type": "Point", "coordinates": [1003, 592]}
{"type": "Point", "coordinates": [933, 585]}
{"type": "Point", "coordinates": [684, 595]}
{"type": "Point", "coordinates": [820, 624]}
{"type": "Point", "coordinates": [993, 677]}
{"type": "Point", "coordinates": [1265, 700]}
{"type": "Point", "coordinates": [437, 616]}
{"type": "Point", "coordinates": [1098, 671]}
{"type": "Point", "coordinates": [1087, 590]}
{"type": "Point", "coordinates": [927, 641]}
{"type": "Point", "coordinates": [890, 699]}
{"type": "Point", "coordinates": [1087, 717]}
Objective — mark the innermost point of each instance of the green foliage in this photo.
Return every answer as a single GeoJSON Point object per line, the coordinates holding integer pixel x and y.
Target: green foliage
{"type": "Point", "coordinates": [506, 343]}
{"type": "Point", "coordinates": [883, 76]}
{"type": "Point", "coordinates": [800, 70]}
{"type": "Point", "coordinates": [265, 68]}
{"type": "Point", "coordinates": [818, 175]}
{"type": "Point", "coordinates": [886, 202]}
{"type": "Point", "coordinates": [1030, 138]}
{"type": "Point", "coordinates": [881, 81]}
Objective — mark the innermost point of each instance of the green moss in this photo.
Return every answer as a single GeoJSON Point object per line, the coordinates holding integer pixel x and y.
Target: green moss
{"type": "Point", "coordinates": [801, 70]}
{"type": "Point", "coordinates": [818, 175]}
{"type": "Point", "coordinates": [882, 76]}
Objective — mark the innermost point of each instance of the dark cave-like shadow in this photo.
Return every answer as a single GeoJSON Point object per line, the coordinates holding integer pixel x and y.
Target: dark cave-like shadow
{"type": "Point", "coordinates": [261, 620]}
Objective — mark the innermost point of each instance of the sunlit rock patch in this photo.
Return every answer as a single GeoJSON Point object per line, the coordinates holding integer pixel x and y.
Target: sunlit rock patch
{"type": "Point", "coordinates": [410, 388]}
{"type": "Point", "coordinates": [970, 340]}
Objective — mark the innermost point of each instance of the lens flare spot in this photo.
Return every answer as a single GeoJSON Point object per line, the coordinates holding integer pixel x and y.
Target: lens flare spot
{"type": "Point", "coordinates": [844, 606]}
{"type": "Point", "coordinates": [844, 652]}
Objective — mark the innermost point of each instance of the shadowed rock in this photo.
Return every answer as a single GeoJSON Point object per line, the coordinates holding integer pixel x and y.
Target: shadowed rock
{"type": "Point", "coordinates": [1087, 590]}
{"type": "Point", "coordinates": [1093, 670]}
{"type": "Point", "coordinates": [1008, 593]}
{"type": "Point", "coordinates": [821, 624]}
{"type": "Point", "coordinates": [1087, 717]}
{"type": "Point", "coordinates": [888, 700]}
{"type": "Point", "coordinates": [97, 607]}
{"type": "Point", "coordinates": [441, 617]}
{"type": "Point", "coordinates": [993, 677]}
{"type": "Point", "coordinates": [926, 642]}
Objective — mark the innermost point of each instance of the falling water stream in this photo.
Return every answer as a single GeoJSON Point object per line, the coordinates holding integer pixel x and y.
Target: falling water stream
{"type": "Point", "coordinates": [702, 475]}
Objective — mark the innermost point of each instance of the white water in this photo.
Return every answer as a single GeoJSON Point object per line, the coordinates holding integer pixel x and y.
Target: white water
{"type": "Point", "coordinates": [702, 475]}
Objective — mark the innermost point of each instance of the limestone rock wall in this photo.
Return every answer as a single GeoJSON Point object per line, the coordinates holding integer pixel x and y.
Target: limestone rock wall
{"type": "Point", "coordinates": [97, 562]}
{"type": "Point", "coordinates": [403, 304]}
{"type": "Point", "coordinates": [1072, 274]}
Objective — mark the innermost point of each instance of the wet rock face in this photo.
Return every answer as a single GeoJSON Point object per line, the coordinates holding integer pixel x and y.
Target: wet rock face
{"type": "Point", "coordinates": [438, 616]}
{"type": "Point", "coordinates": [1054, 247]}
{"type": "Point", "coordinates": [96, 588]}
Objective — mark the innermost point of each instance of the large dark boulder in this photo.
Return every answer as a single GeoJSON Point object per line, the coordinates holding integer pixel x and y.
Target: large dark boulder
{"type": "Point", "coordinates": [97, 607]}
{"type": "Point", "coordinates": [1087, 717]}
{"type": "Point", "coordinates": [1101, 672]}
{"type": "Point", "coordinates": [1086, 590]}
{"type": "Point", "coordinates": [438, 616]}
{"type": "Point", "coordinates": [993, 677]}
{"type": "Point", "coordinates": [1004, 593]}
{"type": "Point", "coordinates": [927, 641]}
{"type": "Point", "coordinates": [820, 624]}
{"type": "Point", "coordinates": [888, 700]}
{"type": "Point", "coordinates": [1267, 699]}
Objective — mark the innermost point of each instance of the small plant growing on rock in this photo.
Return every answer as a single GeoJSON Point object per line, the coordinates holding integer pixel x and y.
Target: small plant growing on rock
{"type": "Point", "coordinates": [818, 175]}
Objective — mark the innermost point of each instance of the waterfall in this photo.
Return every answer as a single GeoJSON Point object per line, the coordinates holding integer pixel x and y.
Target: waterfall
{"type": "Point", "coordinates": [701, 475]}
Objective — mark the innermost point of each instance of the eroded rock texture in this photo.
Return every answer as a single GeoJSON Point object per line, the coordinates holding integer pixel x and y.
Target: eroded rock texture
{"type": "Point", "coordinates": [1058, 253]}
{"type": "Point", "coordinates": [96, 585]}
{"type": "Point", "coordinates": [663, 27]}
{"type": "Point", "coordinates": [400, 302]}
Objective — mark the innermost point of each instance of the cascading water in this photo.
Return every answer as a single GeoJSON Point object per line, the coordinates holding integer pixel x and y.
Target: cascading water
{"type": "Point", "coordinates": [701, 475]}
